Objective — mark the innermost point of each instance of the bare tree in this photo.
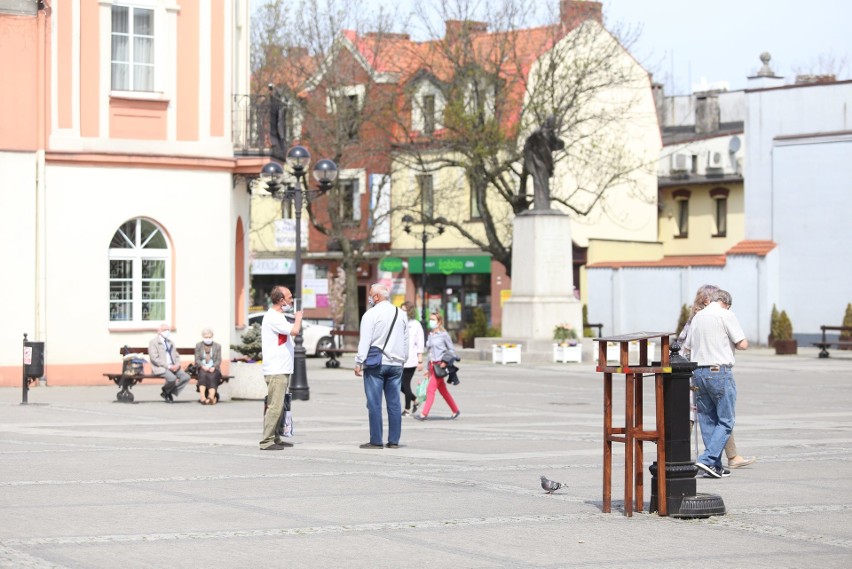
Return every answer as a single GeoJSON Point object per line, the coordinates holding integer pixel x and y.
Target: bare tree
{"type": "Point", "coordinates": [338, 104]}
{"type": "Point", "coordinates": [499, 78]}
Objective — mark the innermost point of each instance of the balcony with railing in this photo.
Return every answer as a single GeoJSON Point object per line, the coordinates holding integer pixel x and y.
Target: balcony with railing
{"type": "Point", "coordinates": [261, 125]}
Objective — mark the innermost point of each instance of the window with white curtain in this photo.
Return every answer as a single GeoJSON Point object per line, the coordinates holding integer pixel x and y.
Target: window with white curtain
{"type": "Point", "coordinates": [132, 54]}
{"type": "Point", "coordinates": [139, 260]}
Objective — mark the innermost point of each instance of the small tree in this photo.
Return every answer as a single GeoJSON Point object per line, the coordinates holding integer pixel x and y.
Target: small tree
{"type": "Point", "coordinates": [847, 321]}
{"type": "Point", "coordinates": [587, 330]}
{"type": "Point", "coordinates": [785, 327]}
{"type": "Point", "coordinates": [683, 318]}
{"type": "Point", "coordinates": [251, 347]}
{"type": "Point", "coordinates": [773, 326]}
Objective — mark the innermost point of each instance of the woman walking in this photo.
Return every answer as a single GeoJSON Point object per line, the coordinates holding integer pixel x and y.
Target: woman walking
{"type": "Point", "coordinates": [415, 357]}
{"type": "Point", "coordinates": [439, 345]}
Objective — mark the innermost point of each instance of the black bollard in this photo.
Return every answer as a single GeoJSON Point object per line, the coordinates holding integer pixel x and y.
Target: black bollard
{"type": "Point", "coordinates": [681, 496]}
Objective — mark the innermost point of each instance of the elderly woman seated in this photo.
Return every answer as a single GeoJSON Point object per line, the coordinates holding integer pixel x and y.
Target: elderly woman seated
{"type": "Point", "coordinates": [208, 358]}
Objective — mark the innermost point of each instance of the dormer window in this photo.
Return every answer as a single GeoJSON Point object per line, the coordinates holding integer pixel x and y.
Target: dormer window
{"type": "Point", "coordinates": [428, 114]}
{"type": "Point", "coordinates": [427, 102]}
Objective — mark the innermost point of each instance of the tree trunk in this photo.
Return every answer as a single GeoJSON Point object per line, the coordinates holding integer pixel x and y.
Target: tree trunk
{"type": "Point", "coordinates": [351, 319]}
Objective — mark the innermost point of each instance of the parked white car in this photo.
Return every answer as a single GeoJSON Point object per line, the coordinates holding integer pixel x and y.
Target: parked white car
{"type": "Point", "coordinates": [316, 337]}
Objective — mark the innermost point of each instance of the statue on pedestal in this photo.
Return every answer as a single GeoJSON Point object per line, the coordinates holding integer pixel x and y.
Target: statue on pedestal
{"type": "Point", "coordinates": [538, 161]}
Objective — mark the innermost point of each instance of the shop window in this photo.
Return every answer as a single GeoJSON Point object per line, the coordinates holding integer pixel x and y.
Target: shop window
{"type": "Point", "coordinates": [427, 196]}
{"type": "Point", "coordinates": [139, 261]}
{"type": "Point", "coordinates": [720, 197]}
{"type": "Point", "coordinates": [132, 49]}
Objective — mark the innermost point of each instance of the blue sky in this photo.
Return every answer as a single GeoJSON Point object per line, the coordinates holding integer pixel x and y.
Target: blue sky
{"type": "Point", "coordinates": [683, 41]}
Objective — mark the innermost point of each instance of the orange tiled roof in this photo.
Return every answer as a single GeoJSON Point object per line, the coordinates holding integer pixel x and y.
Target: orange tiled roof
{"type": "Point", "coordinates": [753, 247]}
{"type": "Point", "coordinates": [670, 261]}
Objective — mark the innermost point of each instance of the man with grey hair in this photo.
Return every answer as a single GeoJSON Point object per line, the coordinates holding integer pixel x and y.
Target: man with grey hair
{"type": "Point", "coordinates": [165, 362]}
{"type": "Point", "coordinates": [714, 335]}
{"type": "Point", "coordinates": [384, 328]}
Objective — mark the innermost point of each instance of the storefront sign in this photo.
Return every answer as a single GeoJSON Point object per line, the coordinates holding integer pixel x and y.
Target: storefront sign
{"type": "Point", "coordinates": [458, 265]}
{"type": "Point", "coordinates": [391, 265]}
{"type": "Point", "coordinates": [273, 267]}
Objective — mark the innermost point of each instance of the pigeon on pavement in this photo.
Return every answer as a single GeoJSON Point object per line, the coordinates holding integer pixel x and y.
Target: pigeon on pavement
{"type": "Point", "coordinates": [550, 486]}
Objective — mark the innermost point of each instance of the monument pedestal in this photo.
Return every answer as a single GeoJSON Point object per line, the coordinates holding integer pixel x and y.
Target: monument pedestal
{"type": "Point", "coordinates": [542, 277]}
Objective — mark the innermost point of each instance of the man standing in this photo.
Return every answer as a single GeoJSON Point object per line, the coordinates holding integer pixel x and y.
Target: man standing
{"type": "Point", "coordinates": [714, 334]}
{"type": "Point", "coordinates": [385, 327]}
{"type": "Point", "coordinates": [165, 362]}
{"type": "Point", "coordinates": [276, 337]}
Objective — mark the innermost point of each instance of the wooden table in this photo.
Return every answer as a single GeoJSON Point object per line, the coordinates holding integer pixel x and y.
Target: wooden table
{"type": "Point", "coordinates": [633, 433]}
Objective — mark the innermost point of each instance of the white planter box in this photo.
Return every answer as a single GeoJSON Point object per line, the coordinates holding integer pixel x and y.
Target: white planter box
{"type": "Point", "coordinates": [565, 354]}
{"type": "Point", "coordinates": [612, 353]}
{"type": "Point", "coordinates": [248, 382]}
{"type": "Point", "coordinates": [506, 354]}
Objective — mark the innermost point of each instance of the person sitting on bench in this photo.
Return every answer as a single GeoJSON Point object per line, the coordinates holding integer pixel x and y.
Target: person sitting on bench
{"type": "Point", "coordinates": [208, 358]}
{"type": "Point", "coordinates": [165, 362]}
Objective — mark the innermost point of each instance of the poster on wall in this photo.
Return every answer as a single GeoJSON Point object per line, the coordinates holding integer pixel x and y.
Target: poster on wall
{"type": "Point", "coordinates": [285, 233]}
{"type": "Point", "coordinates": [315, 293]}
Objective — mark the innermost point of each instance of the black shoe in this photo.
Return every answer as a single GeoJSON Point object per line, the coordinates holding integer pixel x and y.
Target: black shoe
{"type": "Point", "coordinates": [371, 445]}
{"type": "Point", "coordinates": [393, 445]}
{"type": "Point", "coordinates": [725, 472]}
{"type": "Point", "coordinates": [420, 417]}
{"type": "Point", "coordinates": [455, 415]}
{"type": "Point", "coordinates": [414, 409]}
{"type": "Point", "coordinates": [167, 397]}
{"type": "Point", "coordinates": [710, 471]}
{"type": "Point", "coordinates": [273, 447]}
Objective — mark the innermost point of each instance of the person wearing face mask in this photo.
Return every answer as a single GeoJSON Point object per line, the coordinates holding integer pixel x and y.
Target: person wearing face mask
{"type": "Point", "coordinates": [165, 362]}
{"type": "Point", "coordinates": [383, 327]}
{"type": "Point", "coordinates": [439, 346]}
{"type": "Point", "coordinates": [208, 358]}
{"type": "Point", "coordinates": [276, 337]}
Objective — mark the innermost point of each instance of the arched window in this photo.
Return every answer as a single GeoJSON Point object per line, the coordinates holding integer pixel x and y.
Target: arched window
{"type": "Point", "coordinates": [139, 267]}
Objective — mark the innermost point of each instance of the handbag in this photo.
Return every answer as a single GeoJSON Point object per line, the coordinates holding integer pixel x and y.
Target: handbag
{"type": "Point", "coordinates": [440, 371]}
{"type": "Point", "coordinates": [374, 354]}
{"type": "Point", "coordinates": [192, 369]}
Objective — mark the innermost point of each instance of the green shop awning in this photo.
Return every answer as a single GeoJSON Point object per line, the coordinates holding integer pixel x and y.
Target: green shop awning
{"type": "Point", "coordinates": [391, 264]}
{"type": "Point", "coordinates": [451, 265]}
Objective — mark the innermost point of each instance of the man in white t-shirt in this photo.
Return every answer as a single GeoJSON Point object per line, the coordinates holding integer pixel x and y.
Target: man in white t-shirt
{"type": "Point", "coordinates": [276, 336]}
{"type": "Point", "coordinates": [714, 335]}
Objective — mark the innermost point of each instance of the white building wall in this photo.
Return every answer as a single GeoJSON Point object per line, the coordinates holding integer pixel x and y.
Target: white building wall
{"type": "Point", "coordinates": [811, 209]}
{"type": "Point", "coordinates": [186, 204]}
{"type": "Point", "coordinates": [19, 234]}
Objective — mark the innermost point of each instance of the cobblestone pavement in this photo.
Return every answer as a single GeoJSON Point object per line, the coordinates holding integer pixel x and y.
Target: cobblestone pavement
{"type": "Point", "coordinates": [86, 482]}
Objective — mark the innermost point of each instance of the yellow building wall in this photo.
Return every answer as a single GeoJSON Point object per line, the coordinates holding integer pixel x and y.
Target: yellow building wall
{"type": "Point", "coordinates": [701, 239]}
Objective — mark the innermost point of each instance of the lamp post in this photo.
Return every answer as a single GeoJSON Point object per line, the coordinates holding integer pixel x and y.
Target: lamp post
{"type": "Point", "coordinates": [325, 172]}
{"type": "Point", "coordinates": [425, 236]}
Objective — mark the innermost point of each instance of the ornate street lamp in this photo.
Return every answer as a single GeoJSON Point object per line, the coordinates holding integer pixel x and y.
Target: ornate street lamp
{"type": "Point", "coordinates": [325, 172]}
{"type": "Point", "coordinates": [425, 235]}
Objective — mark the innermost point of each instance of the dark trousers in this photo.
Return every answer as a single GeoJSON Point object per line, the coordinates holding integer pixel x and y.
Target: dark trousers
{"type": "Point", "coordinates": [407, 374]}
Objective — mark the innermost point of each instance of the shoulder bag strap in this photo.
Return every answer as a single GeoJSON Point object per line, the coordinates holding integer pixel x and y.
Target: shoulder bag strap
{"type": "Point", "coordinates": [395, 314]}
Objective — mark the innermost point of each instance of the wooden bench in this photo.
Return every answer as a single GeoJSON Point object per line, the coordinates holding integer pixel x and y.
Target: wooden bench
{"type": "Point", "coordinates": [127, 379]}
{"type": "Point", "coordinates": [334, 353]}
{"type": "Point", "coordinates": [825, 344]}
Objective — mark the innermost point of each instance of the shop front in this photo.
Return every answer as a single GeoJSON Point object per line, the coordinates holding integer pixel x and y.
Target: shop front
{"type": "Point", "coordinates": [455, 285]}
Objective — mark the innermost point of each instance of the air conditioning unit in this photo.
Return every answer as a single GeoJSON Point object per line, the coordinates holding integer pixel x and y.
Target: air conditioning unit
{"type": "Point", "coordinates": [681, 162]}
{"type": "Point", "coordinates": [715, 159]}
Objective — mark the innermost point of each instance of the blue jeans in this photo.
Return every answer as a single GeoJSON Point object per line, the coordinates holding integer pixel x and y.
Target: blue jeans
{"type": "Point", "coordinates": [717, 399]}
{"type": "Point", "coordinates": [385, 379]}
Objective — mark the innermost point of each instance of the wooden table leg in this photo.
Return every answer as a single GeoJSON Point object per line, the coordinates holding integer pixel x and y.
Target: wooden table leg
{"type": "Point", "coordinates": [628, 444]}
{"type": "Point", "coordinates": [607, 457]}
{"type": "Point", "coordinates": [639, 460]}
{"type": "Point", "coordinates": [662, 500]}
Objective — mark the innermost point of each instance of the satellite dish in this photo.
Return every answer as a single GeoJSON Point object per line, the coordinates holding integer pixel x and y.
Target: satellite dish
{"type": "Point", "coordinates": [734, 144]}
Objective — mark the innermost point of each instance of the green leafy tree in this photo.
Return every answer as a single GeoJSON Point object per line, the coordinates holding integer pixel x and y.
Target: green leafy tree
{"type": "Point", "coordinates": [773, 325]}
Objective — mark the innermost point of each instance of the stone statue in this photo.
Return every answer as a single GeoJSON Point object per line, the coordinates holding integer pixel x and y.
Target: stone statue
{"type": "Point", "coordinates": [538, 161]}
{"type": "Point", "coordinates": [277, 124]}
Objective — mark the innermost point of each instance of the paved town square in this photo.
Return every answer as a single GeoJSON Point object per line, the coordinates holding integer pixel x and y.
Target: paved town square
{"type": "Point", "coordinates": [88, 482]}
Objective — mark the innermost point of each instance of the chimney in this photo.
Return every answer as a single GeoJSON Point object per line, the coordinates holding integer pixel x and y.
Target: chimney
{"type": "Point", "coordinates": [707, 113]}
{"type": "Point", "coordinates": [454, 29]}
{"type": "Point", "coordinates": [659, 94]}
{"type": "Point", "coordinates": [572, 13]}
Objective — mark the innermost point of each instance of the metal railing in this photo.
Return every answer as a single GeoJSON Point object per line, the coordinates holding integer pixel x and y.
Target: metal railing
{"type": "Point", "coordinates": [260, 125]}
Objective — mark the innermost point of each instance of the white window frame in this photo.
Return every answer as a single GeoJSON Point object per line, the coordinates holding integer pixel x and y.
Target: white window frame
{"type": "Point", "coordinates": [132, 8]}
{"type": "Point", "coordinates": [418, 118]}
{"type": "Point", "coordinates": [136, 255]}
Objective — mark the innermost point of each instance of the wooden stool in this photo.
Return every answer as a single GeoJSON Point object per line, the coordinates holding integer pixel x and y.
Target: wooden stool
{"type": "Point", "coordinates": [633, 434]}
